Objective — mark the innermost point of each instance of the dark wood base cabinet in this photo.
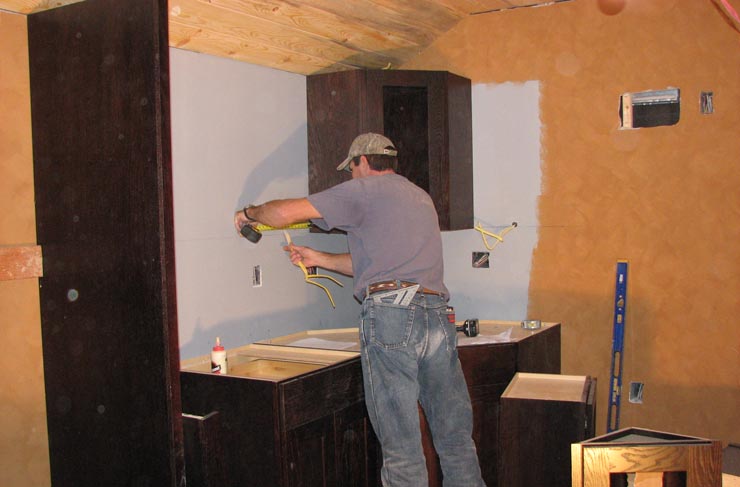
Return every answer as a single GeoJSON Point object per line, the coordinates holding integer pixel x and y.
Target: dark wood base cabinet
{"type": "Point", "coordinates": [489, 362]}
{"type": "Point", "coordinates": [542, 415]}
{"type": "Point", "coordinates": [307, 430]}
{"type": "Point", "coordinates": [312, 429]}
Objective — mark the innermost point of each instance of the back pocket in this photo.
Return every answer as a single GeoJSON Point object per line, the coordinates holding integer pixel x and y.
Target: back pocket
{"type": "Point", "coordinates": [390, 325]}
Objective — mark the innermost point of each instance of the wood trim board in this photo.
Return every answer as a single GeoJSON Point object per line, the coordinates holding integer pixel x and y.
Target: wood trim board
{"type": "Point", "coordinates": [20, 262]}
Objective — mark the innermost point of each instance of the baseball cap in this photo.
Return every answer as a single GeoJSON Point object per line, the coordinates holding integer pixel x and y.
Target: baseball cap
{"type": "Point", "coordinates": [368, 143]}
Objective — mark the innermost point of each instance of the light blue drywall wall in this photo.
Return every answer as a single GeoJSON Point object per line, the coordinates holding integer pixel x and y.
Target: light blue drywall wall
{"type": "Point", "coordinates": [506, 172]}
{"type": "Point", "coordinates": [239, 136]}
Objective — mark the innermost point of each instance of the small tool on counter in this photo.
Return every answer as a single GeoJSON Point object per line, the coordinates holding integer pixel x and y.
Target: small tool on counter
{"type": "Point", "coordinates": [531, 324]}
{"type": "Point", "coordinates": [469, 327]}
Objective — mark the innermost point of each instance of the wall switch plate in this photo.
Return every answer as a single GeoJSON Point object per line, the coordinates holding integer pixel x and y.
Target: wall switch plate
{"type": "Point", "coordinates": [257, 276]}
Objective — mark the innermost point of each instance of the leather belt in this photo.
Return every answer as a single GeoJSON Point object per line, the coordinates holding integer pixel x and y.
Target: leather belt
{"type": "Point", "coordinates": [393, 285]}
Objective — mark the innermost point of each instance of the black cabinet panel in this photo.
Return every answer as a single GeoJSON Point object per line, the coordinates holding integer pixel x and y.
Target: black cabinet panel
{"type": "Point", "coordinates": [308, 430]}
{"type": "Point", "coordinates": [358, 459]}
{"type": "Point", "coordinates": [100, 116]}
{"type": "Point", "coordinates": [248, 420]}
{"type": "Point", "coordinates": [310, 454]}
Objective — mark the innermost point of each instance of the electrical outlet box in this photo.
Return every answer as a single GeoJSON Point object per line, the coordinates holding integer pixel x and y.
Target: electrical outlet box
{"type": "Point", "coordinates": [257, 276]}
{"type": "Point", "coordinates": [481, 260]}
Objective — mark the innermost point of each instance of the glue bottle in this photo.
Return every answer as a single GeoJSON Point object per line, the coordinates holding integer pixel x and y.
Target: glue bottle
{"type": "Point", "coordinates": [219, 364]}
{"type": "Point", "coordinates": [450, 314]}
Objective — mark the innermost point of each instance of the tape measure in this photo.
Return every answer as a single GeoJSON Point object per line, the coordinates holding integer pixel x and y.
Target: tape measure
{"type": "Point", "coordinates": [267, 228]}
{"type": "Point", "coordinates": [254, 233]}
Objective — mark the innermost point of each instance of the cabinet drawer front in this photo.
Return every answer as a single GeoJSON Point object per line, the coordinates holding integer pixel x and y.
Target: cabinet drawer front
{"type": "Point", "coordinates": [321, 393]}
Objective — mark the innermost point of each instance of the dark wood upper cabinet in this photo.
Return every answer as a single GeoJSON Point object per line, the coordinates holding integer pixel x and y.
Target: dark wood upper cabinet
{"type": "Point", "coordinates": [103, 189]}
{"type": "Point", "coordinates": [427, 114]}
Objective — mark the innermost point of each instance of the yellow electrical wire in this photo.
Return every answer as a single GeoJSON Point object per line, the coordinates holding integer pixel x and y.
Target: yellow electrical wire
{"type": "Point", "coordinates": [499, 238]}
{"type": "Point", "coordinates": [309, 277]}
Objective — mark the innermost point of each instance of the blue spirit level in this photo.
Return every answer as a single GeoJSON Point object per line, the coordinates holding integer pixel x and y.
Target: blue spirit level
{"type": "Point", "coordinates": [620, 307]}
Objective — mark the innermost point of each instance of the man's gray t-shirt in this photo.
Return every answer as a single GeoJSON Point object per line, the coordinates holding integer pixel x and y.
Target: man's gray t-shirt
{"type": "Point", "coordinates": [392, 230]}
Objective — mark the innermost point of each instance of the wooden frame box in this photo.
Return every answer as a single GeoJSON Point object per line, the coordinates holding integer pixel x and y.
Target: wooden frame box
{"type": "Point", "coordinates": [604, 461]}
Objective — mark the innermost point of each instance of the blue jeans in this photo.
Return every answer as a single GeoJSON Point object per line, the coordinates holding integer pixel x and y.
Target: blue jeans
{"type": "Point", "coordinates": [409, 356]}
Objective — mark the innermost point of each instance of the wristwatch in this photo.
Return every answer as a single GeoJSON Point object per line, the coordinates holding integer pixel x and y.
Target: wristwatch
{"type": "Point", "coordinates": [246, 214]}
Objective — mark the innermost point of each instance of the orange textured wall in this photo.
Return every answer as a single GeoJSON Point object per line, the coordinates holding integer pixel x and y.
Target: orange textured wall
{"type": "Point", "coordinates": [24, 449]}
{"type": "Point", "coordinates": [666, 198]}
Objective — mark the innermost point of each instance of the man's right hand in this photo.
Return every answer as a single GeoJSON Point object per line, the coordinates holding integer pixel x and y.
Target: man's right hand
{"type": "Point", "coordinates": [341, 263]}
{"type": "Point", "coordinates": [307, 255]}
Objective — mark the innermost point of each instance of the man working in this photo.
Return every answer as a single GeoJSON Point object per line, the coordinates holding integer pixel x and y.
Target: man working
{"type": "Point", "coordinates": [408, 346]}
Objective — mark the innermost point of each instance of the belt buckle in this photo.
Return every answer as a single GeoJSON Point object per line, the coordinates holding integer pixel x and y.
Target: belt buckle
{"type": "Point", "coordinates": [383, 285]}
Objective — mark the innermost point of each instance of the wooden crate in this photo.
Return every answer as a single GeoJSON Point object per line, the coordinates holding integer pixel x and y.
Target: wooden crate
{"type": "Point", "coordinates": [683, 460]}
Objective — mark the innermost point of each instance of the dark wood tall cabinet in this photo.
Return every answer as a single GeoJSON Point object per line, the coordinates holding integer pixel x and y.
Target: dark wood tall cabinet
{"type": "Point", "coordinates": [102, 171]}
{"type": "Point", "coordinates": [427, 114]}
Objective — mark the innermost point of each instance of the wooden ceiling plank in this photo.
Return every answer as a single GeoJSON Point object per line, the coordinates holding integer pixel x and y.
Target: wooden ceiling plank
{"type": "Point", "coordinates": [266, 34]}
{"type": "Point", "coordinates": [32, 6]}
{"type": "Point", "coordinates": [497, 5]}
{"type": "Point", "coordinates": [252, 29]}
{"type": "Point", "coordinates": [418, 19]}
{"type": "Point", "coordinates": [254, 52]}
{"type": "Point", "coordinates": [373, 35]}
{"type": "Point", "coordinates": [463, 7]}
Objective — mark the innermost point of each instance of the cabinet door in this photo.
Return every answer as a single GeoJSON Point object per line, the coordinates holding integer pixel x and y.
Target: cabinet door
{"type": "Point", "coordinates": [100, 115]}
{"type": "Point", "coordinates": [309, 458]}
{"type": "Point", "coordinates": [334, 103]}
{"type": "Point", "coordinates": [248, 421]}
{"type": "Point", "coordinates": [427, 114]}
{"type": "Point", "coordinates": [486, 409]}
{"type": "Point", "coordinates": [357, 449]}
{"type": "Point", "coordinates": [408, 106]}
